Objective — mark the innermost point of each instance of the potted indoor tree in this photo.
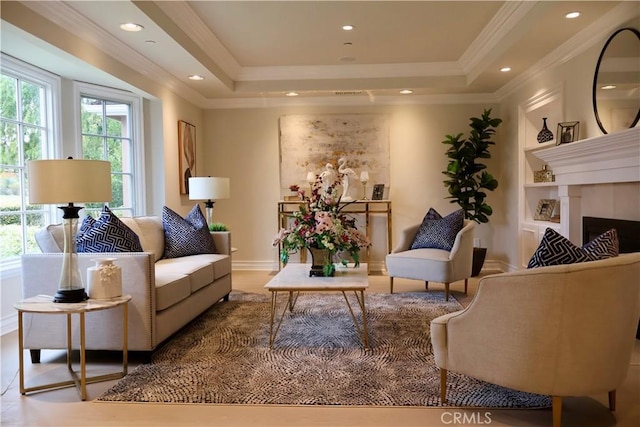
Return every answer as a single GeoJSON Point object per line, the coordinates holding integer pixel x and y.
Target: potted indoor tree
{"type": "Point", "coordinates": [467, 178]}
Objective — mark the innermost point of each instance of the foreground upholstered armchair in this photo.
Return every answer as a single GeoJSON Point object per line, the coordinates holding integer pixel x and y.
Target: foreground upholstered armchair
{"type": "Point", "coordinates": [565, 330]}
{"type": "Point", "coordinates": [428, 264]}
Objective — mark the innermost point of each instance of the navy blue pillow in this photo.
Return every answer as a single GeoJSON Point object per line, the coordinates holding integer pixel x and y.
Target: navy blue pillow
{"type": "Point", "coordinates": [106, 234]}
{"type": "Point", "coordinates": [555, 249]}
{"type": "Point", "coordinates": [438, 233]}
{"type": "Point", "coordinates": [186, 236]}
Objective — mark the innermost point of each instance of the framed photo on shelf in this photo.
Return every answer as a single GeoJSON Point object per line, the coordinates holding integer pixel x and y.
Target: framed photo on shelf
{"type": "Point", "coordinates": [544, 211]}
{"type": "Point", "coordinates": [567, 132]}
{"type": "Point", "coordinates": [378, 192]}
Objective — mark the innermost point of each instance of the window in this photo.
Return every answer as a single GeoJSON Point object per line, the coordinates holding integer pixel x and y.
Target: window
{"type": "Point", "coordinates": [27, 132]}
{"type": "Point", "coordinates": [110, 130]}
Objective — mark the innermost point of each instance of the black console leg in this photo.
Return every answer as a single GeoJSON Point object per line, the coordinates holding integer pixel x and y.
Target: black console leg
{"type": "Point", "coordinates": [35, 356]}
{"type": "Point", "coordinates": [225, 298]}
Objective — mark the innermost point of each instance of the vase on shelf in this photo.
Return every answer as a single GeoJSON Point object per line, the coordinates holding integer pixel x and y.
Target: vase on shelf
{"type": "Point", "coordinates": [321, 263]}
{"type": "Point", "coordinates": [545, 135]}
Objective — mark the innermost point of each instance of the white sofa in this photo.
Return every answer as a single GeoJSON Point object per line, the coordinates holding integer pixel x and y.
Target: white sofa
{"type": "Point", "coordinates": [166, 293]}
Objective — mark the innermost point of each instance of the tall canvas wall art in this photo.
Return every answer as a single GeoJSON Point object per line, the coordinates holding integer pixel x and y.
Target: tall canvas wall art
{"type": "Point", "coordinates": [186, 154]}
{"type": "Point", "coordinates": [309, 142]}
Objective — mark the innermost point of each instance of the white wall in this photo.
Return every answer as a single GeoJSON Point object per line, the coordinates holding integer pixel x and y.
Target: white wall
{"type": "Point", "coordinates": [576, 78]}
{"type": "Point", "coordinates": [244, 145]}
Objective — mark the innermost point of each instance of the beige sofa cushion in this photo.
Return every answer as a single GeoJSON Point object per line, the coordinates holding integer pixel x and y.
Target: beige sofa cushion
{"type": "Point", "coordinates": [50, 239]}
{"type": "Point", "coordinates": [150, 232]}
{"type": "Point", "coordinates": [199, 269]}
{"type": "Point", "coordinates": [171, 288]}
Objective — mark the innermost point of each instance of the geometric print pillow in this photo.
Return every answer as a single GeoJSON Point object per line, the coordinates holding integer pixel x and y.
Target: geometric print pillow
{"type": "Point", "coordinates": [106, 234]}
{"type": "Point", "coordinates": [555, 249]}
{"type": "Point", "coordinates": [437, 232]}
{"type": "Point", "coordinates": [186, 236]}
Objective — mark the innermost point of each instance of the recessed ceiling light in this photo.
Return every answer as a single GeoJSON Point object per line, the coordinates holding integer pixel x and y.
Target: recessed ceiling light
{"type": "Point", "coordinates": [406, 91]}
{"type": "Point", "coordinates": [131, 26]}
{"type": "Point", "coordinates": [572, 15]}
{"type": "Point", "coordinates": [348, 27]}
{"type": "Point", "coordinates": [195, 77]}
{"type": "Point", "coordinates": [608, 87]}
{"type": "Point", "coordinates": [150, 41]}
{"type": "Point", "coordinates": [505, 69]}
{"type": "Point", "coordinates": [292, 94]}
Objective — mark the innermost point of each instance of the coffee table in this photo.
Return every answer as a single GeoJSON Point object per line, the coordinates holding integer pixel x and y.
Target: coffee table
{"type": "Point", "coordinates": [294, 278]}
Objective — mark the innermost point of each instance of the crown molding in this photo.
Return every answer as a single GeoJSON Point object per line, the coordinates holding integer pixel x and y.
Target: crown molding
{"type": "Point", "coordinates": [65, 16]}
{"type": "Point", "coordinates": [585, 39]}
{"type": "Point", "coordinates": [189, 21]}
{"type": "Point", "coordinates": [350, 101]}
{"type": "Point", "coordinates": [491, 38]}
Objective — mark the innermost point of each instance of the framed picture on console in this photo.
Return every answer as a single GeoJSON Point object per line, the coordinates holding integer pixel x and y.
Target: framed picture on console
{"type": "Point", "coordinates": [567, 132]}
{"type": "Point", "coordinates": [378, 192]}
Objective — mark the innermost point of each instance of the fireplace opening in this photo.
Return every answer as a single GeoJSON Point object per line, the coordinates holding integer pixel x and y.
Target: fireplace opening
{"type": "Point", "coordinates": [628, 231]}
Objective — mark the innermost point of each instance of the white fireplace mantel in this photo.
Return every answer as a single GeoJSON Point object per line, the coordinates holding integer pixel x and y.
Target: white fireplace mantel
{"type": "Point", "coordinates": [603, 159]}
{"type": "Point", "coordinates": [607, 159]}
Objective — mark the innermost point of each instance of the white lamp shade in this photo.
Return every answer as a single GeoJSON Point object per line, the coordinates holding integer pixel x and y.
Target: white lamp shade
{"type": "Point", "coordinates": [364, 176]}
{"type": "Point", "coordinates": [209, 188]}
{"type": "Point", "coordinates": [311, 177]}
{"type": "Point", "coordinates": [69, 181]}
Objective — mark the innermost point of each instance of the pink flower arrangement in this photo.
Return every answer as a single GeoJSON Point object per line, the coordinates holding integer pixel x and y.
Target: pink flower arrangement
{"type": "Point", "coordinates": [319, 223]}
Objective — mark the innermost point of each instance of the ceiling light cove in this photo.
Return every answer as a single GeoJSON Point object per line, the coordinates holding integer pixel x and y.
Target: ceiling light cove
{"type": "Point", "coordinates": [131, 27]}
{"type": "Point", "coordinates": [572, 15]}
{"type": "Point", "coordinates": [196, 77]}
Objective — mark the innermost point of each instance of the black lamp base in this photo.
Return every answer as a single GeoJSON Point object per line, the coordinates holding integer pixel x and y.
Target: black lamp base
{"type": "Point", "coordinates": [70, 296]}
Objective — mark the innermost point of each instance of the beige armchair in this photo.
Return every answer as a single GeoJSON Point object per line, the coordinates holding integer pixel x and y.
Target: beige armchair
{"type": "Point", "coordinates": [564, 330]}
{"type": "Point", "coordinates": [435, 265]}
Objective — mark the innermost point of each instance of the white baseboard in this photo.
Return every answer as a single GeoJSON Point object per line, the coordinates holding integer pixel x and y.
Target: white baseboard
{"type": "Point", "coordinates": [376, 266]}
{"type": "Point", "coordinates": [9, 324]}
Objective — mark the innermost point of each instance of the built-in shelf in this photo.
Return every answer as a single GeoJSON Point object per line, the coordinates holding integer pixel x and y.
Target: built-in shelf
{"type": "Point", "coordinates": [604, 159]}
{"type": "Point", "coordinates": [541, 184]}
{"type": "Point", "coordinates": [532, 148]}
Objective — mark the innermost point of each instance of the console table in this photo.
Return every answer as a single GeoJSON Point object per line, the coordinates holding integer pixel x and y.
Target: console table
{"type": "Point", "coordinates": [358, 207]}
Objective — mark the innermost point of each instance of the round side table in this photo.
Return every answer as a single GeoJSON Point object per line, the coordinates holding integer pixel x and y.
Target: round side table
{"type": "Point", "coordinates": [45, 305]}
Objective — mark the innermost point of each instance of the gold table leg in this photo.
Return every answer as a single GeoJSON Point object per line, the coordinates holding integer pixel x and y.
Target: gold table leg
{"type": "Point", "coordinates": [364, 332]}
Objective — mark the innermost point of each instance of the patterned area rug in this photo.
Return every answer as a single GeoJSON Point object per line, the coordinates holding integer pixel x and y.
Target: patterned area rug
{"type": "Point", "coordinates": [223, 357]}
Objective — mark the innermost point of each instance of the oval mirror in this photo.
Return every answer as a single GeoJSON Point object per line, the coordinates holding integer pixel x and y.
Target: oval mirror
{"type": "Point", "coordinates": [616, 82]}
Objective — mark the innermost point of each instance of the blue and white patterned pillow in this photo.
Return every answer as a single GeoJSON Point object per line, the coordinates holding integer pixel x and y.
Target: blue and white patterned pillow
{"type": "Point", "coordinates": [437, 232]}
{"type": "Point", "coordinates": [555, 249]}
{"type": "Point", "coordinates": [186, 236]}
{"type": "Point", "coordinates": [106, 234]}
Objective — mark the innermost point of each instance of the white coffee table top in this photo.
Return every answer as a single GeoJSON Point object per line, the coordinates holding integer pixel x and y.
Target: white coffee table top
{"type": "Point", "coordinates": [295, 277]}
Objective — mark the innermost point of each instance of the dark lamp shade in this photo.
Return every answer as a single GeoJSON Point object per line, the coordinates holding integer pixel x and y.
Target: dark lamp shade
{"type": "Point", "coordinates": [69, 181]}
{"type": "Point", "coordinates": [209, 188]}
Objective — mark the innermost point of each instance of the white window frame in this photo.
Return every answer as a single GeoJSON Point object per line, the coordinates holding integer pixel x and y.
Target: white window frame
{"type": "Point", "coordinates": [53, 147]}
{"type": "Point", "coordinates": [81, 89]}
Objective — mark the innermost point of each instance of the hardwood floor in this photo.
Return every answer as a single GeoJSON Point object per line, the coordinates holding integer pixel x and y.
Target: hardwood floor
{"type": "Point", "coordinates": [63, 407]}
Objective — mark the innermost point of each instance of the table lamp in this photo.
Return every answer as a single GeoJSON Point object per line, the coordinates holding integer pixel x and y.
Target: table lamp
{"type": "Point", "coordinates": [311, 178]}
{"type": "Point", "coordinates": [364, 178]}
{"type": "Point", "coordinates": [69, 181]}
{"type": "Point", "coordinates": [209, 188]}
